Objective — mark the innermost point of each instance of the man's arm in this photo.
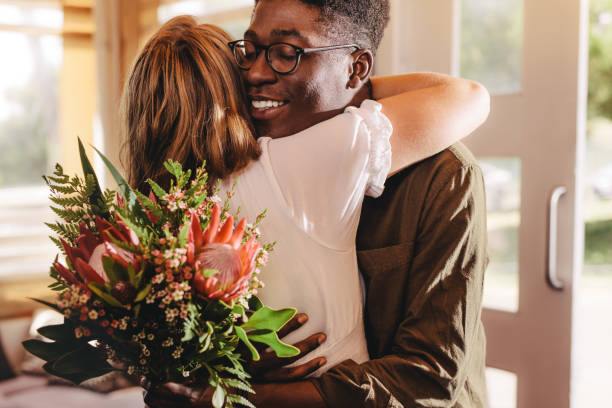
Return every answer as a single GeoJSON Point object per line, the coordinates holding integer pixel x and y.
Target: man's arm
{"type": "Point", "coordinates": [436, 356]}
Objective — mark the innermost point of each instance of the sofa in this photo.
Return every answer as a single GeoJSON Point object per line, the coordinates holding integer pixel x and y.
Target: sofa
{"type": "Point", "coordinates": [23, 383]}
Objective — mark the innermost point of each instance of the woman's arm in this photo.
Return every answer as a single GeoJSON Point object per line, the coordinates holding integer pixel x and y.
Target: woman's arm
{"type": "Point", "coordinates": [429, 112]}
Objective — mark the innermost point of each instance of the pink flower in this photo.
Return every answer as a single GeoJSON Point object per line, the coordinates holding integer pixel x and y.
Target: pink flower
{"type": "Point", "coordinates": [86, 256]}
{"type": "Point", "coordinates": [220, 249]}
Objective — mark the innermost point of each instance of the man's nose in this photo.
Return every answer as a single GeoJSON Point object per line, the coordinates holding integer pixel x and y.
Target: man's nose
{"type": "Point", "coordinates": [260, 72]}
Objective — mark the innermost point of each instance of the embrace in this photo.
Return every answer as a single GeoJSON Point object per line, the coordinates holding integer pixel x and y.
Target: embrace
{"type": "Point", "coordinates": [378, 212]}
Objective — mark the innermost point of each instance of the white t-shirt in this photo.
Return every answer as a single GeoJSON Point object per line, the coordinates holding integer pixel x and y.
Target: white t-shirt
{"type": "Point", "coordinates": [313, 184]}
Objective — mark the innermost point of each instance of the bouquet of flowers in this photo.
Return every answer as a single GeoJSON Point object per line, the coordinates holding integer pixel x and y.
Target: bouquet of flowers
{"type": "Point", "coordinates": [160, 285]}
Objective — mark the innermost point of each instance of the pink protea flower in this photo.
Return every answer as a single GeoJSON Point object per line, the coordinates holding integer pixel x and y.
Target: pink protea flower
{"type": "Point", "coordinates": [86, 255]}
{"type": "Point", "coordinates": [220, 249]}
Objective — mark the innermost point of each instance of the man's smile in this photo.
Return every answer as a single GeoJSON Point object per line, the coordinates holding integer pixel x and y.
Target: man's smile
{"type": "Point", "coordinates": [265, 107]}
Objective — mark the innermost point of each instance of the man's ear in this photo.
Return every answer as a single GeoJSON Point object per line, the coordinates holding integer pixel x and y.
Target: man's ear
{"type": "Point", "coordinates": [361, 68]}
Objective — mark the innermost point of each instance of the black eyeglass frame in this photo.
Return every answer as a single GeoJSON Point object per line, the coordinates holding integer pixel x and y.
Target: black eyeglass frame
{"type": "Point", "coordinates": [299, 51]}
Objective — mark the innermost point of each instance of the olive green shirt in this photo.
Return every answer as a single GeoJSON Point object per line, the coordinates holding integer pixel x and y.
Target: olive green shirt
{"type": "Point", "coordinates": [422, 252]}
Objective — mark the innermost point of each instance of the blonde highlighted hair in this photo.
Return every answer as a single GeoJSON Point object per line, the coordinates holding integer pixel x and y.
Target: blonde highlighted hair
{"type": "Point", "coordinates": [185, 101]}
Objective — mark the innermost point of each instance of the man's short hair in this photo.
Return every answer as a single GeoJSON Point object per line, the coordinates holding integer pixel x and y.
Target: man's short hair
{"type": "Point", "coordinates": [361, 22]}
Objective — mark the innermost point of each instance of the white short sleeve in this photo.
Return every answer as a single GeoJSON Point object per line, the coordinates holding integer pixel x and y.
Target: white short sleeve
{"type": "Point", "coordinates": [323, 172]}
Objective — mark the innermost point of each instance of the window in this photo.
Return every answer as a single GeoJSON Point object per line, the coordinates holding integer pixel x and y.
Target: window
{"type": "Point", "coordinates": [38, 129]}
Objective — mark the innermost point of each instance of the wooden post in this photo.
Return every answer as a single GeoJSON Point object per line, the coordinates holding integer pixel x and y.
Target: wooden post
{"type": "Point", "coordinates": [77, 84]}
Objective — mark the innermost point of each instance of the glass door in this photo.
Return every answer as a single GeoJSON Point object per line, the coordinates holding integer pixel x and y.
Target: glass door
{"type": "Point", "coordinates": [532, 56]}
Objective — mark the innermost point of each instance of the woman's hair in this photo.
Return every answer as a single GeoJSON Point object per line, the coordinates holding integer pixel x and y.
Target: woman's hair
{"type": "Point", "coordinates": [185, 101]}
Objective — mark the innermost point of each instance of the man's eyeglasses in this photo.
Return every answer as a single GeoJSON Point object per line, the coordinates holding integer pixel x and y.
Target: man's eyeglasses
{"type": "Point", "coordinates": [282, 57]}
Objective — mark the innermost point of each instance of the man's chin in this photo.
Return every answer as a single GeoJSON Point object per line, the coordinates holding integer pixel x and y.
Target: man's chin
{"type": "Point", "coordinates": [269, 130]}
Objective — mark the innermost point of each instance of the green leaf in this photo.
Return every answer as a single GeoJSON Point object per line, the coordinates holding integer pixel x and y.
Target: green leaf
{"type": "Point", "coordinates": [137, 277]}
{"type": "Point", "coordinates": [205, 341]}
{"type": "Point", "coordinates": [75, 378]}
{"type": "Point", "coordinates": [143, 293]}
{"type": "Point", "coordinates": [240, 373]}
{"type": "Point", "coordinates": [239, 399]}
{"type": "Point", "coordinates": [183, 233]}
{"type": "Point", "coordinates": [239, 385]}
{"type": "Point", "coordinates": [157, 190]}
{"type": "Point", "coordinates": [219, 397]}
{"type": "Point", "coordinates": [242, 335]}
{"type": "Point", "coordinates": [108, 298]}
{"type": "Point", "coordinates": [269, 319]}
{"type": "Point", "coordinates": [216, 310]}
{"type": "Point", "coordinates": [209, 273]}
{"type": "Point", "coordinates": [125, 188]}
{"type": "Point", "coordinates": [271, 339]}
{"type": "Point", "coordinates": [131, 273]}
{"type": "Point", "coordinates": [149, 205]}
{"type": "Point", "coordinates": [47, 351]}
{"type": "Point", "coordinates": [255, 303]}
{"type": "Point", "coordinates": [86, 359]}
{"type": "Point", "coordinates": [88, 170]}
{"type": "Point", "coordinates": [51, 305]}
{"type": "Point", "coordinates": [239, 309]}
{"type": "Point", "coordinates": [58, 332]}
{"type": "Point", "coordinates": [140, 232]}
{"type": "Point", "coordinates": [131, 198]}
{"type": "Point", "coordinates": [114, 270]}
{"type": "Point", "coordinates": [136, 310]}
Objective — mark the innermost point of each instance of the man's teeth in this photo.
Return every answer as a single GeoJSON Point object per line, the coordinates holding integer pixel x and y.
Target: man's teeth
{"type": "Point", "coordinates": [266, 104]}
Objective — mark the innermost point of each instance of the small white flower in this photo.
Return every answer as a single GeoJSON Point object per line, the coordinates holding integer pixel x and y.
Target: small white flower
{"type": "Point", "coordinates": [131, 370]}
{"type": "Point", "coordinates": [93, 315]}
{"type": "Point", "coordinates": [171, 314]}
{"type": "Point", "coordinates": [177, 352]}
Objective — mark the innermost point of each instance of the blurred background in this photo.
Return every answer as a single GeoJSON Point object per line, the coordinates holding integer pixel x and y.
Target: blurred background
{"type": "Point", "coordinates": [63, 63]}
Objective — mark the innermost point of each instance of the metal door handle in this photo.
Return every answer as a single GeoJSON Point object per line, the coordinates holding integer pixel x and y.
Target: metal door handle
{"type": "Point", "coordinates": [551, 269]}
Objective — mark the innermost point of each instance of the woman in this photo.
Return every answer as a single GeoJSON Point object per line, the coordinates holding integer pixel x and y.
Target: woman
{"type": "Point", "coordinates": [185, 101]}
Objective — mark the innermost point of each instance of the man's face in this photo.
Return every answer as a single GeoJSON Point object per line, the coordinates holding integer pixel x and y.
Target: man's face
{"type": "Point", "coordinates": [315, 91]}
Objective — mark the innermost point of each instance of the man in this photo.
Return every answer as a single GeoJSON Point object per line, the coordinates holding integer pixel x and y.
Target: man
{"type": "Point", "coordinates": [421, 245]}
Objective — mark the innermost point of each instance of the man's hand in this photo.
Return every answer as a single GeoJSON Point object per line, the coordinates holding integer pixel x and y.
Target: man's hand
{"type": "Point", "coordinates": [271, 368]}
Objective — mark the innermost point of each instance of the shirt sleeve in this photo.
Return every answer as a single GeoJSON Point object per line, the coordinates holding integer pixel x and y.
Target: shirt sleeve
{"type": "Point", "coordinates": [323, 172]}
{"type": "Point", "coordinates": [436, 350]}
